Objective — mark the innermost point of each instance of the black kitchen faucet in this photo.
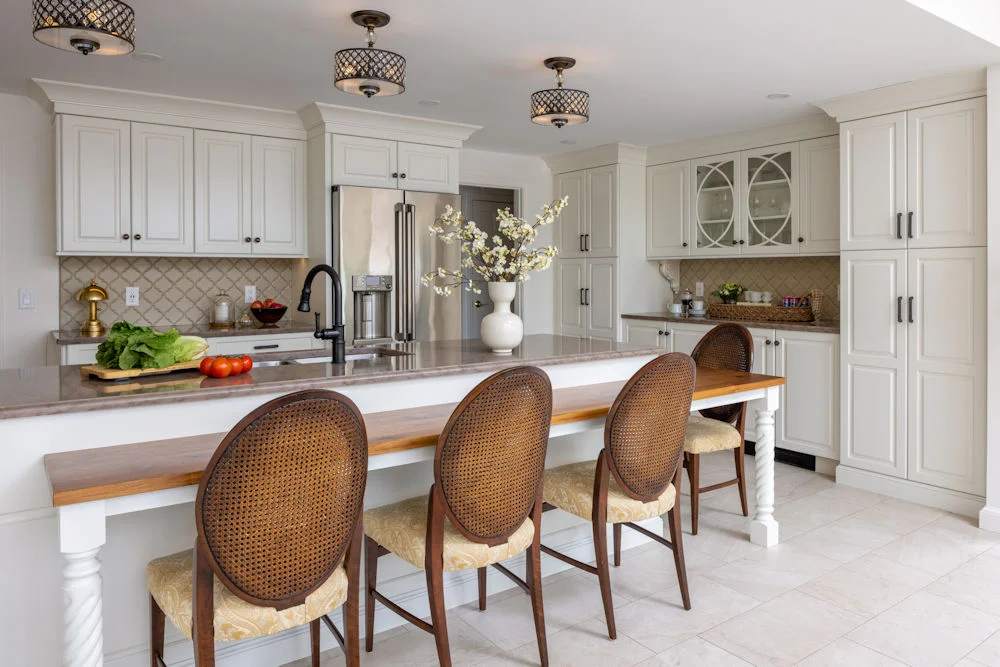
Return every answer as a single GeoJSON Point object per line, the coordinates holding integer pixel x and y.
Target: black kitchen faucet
{"type": "Point", "coordinates": [336, 333]}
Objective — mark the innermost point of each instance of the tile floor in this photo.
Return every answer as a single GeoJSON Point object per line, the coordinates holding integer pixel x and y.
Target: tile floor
{"type": "Point", "coordinates": [859, 579]}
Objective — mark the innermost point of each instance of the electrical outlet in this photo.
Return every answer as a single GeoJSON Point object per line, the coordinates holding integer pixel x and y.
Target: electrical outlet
{"type": "Point", "coordinates": [249, 293]}
{"type": "Point", "coordinates": [132, 296]}
{"type": "Point", "coordinates": [25, 298]}
{"type": "Point", "coordinates": [699, 289]}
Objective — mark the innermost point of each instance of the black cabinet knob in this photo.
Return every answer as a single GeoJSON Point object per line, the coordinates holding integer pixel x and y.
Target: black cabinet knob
{"type": "Point", "coordinates": [125, 237]}
{"type": "Point", "coordinates": [684, 245]}
{"type": "Point", "coordinates": [247, 240]}
{"type": "Point", "coordinates": [395, 174]}
{"type": "Point", "coordinates": [661, 333]}
{"type": "Point", "coordinates": [777, 343]}
{"type": "Point", "coordinates": [403, 175]}
{"type": "Point", "coordinates": [742, 241]}
{"type": "Point", "coordinates": [138, 237]}
{"type": "Point", "coordinates": [767, 342]}
{"type": "Point", "coordinates": [801, 240]}
{"type": "Point", "coordinates": [735, 241]}
{"type": "Point", "coordinates": [256, 239]}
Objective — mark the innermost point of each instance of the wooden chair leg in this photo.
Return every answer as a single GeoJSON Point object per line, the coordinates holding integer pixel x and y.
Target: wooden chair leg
{"type": "Point", "coordinates": [741, 481]}
{"type": "Point", "coordinates": [314, 641]}
{"type": "Point", "coordinates": [694, 463]}
{"type": "Point", "coordinates": [435, 592]}
{"type": "Point", "coordinates": [534, 580]}
{"type": "Point", "coordinates": [371, 570]}
{"type": "Point", "coordinates": [604, 575]}
{"type": "Point", "coordinates": [616, 531]}
{"type": "Point", "coordinates": [157, 623]}
{"type": "Point", "coordinates": [482, 589]}
{"type": "Point", "coordinates": [676, 540]}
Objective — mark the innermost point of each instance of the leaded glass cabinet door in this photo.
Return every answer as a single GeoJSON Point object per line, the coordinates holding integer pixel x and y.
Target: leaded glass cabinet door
{"type": "Point", "coordinates": [716, 207]}
{"type": "Point", "coordinates": [771, 200]}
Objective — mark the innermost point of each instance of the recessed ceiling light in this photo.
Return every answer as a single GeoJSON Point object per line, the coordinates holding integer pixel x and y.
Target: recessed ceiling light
{"type": "Point", "coordinates": [779, 96]}
{"type": "Point", "coordinates": [568, 142]}
{"type": "Point", "coordinates": [429, 103]}
{"type": "Point", "coordinates": [148, 57]}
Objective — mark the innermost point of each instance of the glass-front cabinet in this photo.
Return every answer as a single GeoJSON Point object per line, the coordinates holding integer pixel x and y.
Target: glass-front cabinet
{"type": "Point", "coordinates": [716, 212]}
{"type": "Point", "coordinates": [770, 199]}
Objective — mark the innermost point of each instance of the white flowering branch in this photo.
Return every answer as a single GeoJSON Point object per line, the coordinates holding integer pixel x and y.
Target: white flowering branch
{"type": "Point", "coordinates": [510, 258]}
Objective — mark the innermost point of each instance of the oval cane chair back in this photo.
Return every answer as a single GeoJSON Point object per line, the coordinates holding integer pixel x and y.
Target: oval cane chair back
{"type": "Point", "coordinates": [728, 347]}
{"type": "Point", "coordinates": [490, 458]}
{"type": "Point", "coordinates": [644, 431]}
{"type": "Point", "coordinates": [280, 499]}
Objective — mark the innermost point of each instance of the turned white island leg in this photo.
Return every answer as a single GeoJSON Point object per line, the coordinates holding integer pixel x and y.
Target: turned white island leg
{"type": "Point", "coordinates": [81, 536]}
{"type": "Point", "coordinates": [763, 528]}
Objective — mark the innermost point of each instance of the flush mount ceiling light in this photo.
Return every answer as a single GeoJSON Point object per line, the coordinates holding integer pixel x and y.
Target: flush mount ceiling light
{"type": "Point", "coordinates": [104, 27]}
{"type": "Point", "coordinates": [560, 106]}
{"type": "Point", "coordinates": [369, 71]}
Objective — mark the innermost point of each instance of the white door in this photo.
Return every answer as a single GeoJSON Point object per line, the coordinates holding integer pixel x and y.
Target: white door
{"type": "Point", "coordinates": [946, 184]}
{"type": "Point", "coordinates": [946, 387]}
{"type": "Point", "coordinates": [279, 197]}
{"type": "Point", "coordinates": [809, 414]}
{"type": "Point", "coordinates": [222, 201]}
{"type": "Point", "coordinates": [571, 282]}
{"type": "Point", "coordinates": [364, 161]}
{"type": "Point", "coordinates": [601, 233]}
{"type": "Point", "coordinates": [646, 334]}
{"type": "Point", "coordinates": [819, 196]}
{"type": "Point", "coordinates": [873, 183]}
{"type": "Point", "coordinates": [873, 349]}
{"type": "Point", "coordinates": [427, 168]}
{"type": "Point", "coordinates": [769, 201]}
{"type": "Point", "coordinates": [95, 170]}
{"type": "Point", "coordinates": [667, 207]}
{"type": "Point", "coordinates": [601, 297]}
{"type": "Point", "coordinates": [684, 337]}
{"type": "Point", "coordinates": [715, 205]}
{"type": "Point", "coordinates": [162, 189]}
{"type": "Point", "coordinates": [572, 222]}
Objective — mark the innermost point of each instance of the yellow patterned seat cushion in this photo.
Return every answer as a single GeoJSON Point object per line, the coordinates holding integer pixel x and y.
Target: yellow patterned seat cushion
{"type": "Point", "coordinates": [709, 435]}
{"type": "Point", "coordinates": [171, 579]}
{"type": "Point", "coordinates": [402, 529]}
{"type": "Point", "coordinates": [571, 488]}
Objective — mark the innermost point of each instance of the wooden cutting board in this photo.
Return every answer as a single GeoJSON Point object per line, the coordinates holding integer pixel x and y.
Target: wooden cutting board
{"type": "Point", "coordinates": [102, 373]}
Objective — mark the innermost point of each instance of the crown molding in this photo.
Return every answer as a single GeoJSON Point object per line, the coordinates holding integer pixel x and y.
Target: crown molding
{"type": "Point", "coordinates": [597, 156]}
{"type": "Point", "coordinates": [336, 119]}
{"type": "Point", "coordinates": [909, 95]}
{"type": "Point", "coordinates": [810, 127]}
{"type": "Point", "coordinates": [97, 101]}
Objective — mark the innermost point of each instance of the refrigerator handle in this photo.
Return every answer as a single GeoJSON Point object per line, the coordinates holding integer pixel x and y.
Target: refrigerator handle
{"type": "Point", "coordinates": [411, 211]}
{"type": "Point", "coordinates": [400, 290]}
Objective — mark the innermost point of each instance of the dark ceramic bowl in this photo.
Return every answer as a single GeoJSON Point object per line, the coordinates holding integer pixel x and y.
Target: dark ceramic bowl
{"type": "Point", "coordinates": [269, 316]}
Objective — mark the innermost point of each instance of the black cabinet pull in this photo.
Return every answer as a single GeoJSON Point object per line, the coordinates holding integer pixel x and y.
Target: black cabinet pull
{"type": "Point", "coordinates": [586, 242]}
{"type": "Point", "coordinates": [275, 346]}
{"type": "Point", "coordinates": [909, 225]}
{"type": "Point", "coordinates": [909, 310]}
{"type": "Point", "coordinates": [899, 225]}
{"type": "Point", "coordinates": [581, 298]}
{"type": "Point", "coordinates": [582, 249]}
{"type": "Point", "coordinates": [587, 290]}
{"type": "Point", "coordinates": [899, 309]}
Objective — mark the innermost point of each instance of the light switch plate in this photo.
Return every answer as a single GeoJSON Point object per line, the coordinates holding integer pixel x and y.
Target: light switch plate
{"type": "Point", "coordinates": [249, 293]}
{"type": "Point", "coordinates": [699, 289]}
{"type": "Point", "coordinates": [132, 296]}
{"type": "Point", "coordinates": [25, 298]}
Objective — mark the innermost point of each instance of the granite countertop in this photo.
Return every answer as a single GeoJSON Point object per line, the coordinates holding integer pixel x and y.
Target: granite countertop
{"type": "Point", "coordinates": [73, 337]}
{"type": "Point", "coordinates": [823, 326]}
{"type": "Point", "coordinates": [54, 390]}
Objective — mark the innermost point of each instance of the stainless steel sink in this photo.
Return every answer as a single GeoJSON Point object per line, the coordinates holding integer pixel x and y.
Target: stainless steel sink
{"type": "Point", "coordinates": [356, 354]}
{"type": "Point", "coordinates": [271, 363]}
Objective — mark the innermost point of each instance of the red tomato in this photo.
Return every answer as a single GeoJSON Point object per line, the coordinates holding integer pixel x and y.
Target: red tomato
{"type": "Point", "coordinates": [235, 365]}
{"type": "Point", "coordinates": [257, 304]}
{"type": "Point", "coordinates": [247, 363]}
{"type": "Point", "coordinates": [220, 368]}
{"type": "Point", "coordinates": [206, 363]}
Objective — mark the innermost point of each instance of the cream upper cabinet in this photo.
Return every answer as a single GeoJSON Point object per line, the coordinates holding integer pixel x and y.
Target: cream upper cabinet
{"type": "Point", "coordinates": [770, 196]}
{"type": "Point", "coordinates": [162, 189]}
{"type": "Point", "coordinates": [382, 163]}
{"type": "Point", "coordinates": [278, 221]}
{"type": "Point", "coordinates": [667, 210]}
{"type": "Point", "coordinates": [808, 418]}
{"type": "Point", "coordinates": [819, 196]}
{"type": "Point", "coordinates": [94, 175]}
{"type": "Point", "coordinates": [715, 203]}
{"type": "Point", "coordinates": [427, 168]}
{"type": "Point", "coordinates": [571, 310]}
{"type": "Point", "coordinates": [222, 193]}
{"type": "Point", "coordinates": [573, 220]}
{"type": "Point", "coordinates": [601, 234]}
{"type": "Point", "coordinates": [601, 298]}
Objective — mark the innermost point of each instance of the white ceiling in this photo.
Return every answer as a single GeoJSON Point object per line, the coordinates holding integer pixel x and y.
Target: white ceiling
{"type": "Point", "coordinates": [657, 70]}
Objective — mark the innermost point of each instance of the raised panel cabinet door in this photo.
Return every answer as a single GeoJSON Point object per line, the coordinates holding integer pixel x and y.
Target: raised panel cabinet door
{"type": "Point", "coordinates": [809, 413]}
{"type": "Point", "coordinates": [222, 201]}
{"type": "Point", "coordinates": [571, 279]}
{"type": "Point", "coordinates": [716, 213]}
{"type": "Point", "coordinates": [946, 387]}
{"type": "Point", "coordinates": [770, 201]}
{"type": "Point", "coordinates": [645, 333]}
{"type": "Point", "coordinates": [427, 168]}
{"type": "Point", "coordinates": [279, 197]}
{"type": "Point", "coordinates": [873, 361]}
{"type": "Point", "coordinates": [684, 337]}
{"type": "Point", "coordinates": [602, 298]}
{"type": "Point", "coordinates": [667, 210]}
{"type": "Point", "coordinates": [94, 185]}
{"type": "Point", "coordinates": [601, 233]}
{"type": "Point", "coordinates": [162, 189]}
{"type": "Point", "coordinates": [819, 196]}
{"type": "Point", "coordinates": [572, 222]}
{"type": "Point", "coordinates": [364, 161]}
{"type": "Point", "coordinates": [873, 183]}
{"type": "Point", "coordinates": [946, 184]}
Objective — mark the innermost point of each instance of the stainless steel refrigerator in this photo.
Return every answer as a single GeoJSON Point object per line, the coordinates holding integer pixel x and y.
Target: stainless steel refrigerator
{"type": "Point", "coordinates": [386, 232]}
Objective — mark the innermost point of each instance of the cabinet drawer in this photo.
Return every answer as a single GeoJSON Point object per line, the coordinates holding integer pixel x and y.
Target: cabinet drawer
{"type": "Point", "coordinates": [260, 344]}
{"type": "Point", "coordinates": [74, 355]}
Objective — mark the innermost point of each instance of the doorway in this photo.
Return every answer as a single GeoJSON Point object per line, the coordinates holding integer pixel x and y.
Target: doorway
{"type": "Point", "coordinates": [481, 204]}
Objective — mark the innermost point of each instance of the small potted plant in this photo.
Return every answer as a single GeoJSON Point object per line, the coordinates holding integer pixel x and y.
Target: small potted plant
{"type": "Point", "coordinates": [730, 292]}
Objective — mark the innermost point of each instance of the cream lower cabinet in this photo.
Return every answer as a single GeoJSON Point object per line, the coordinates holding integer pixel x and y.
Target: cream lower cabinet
{"type": "Point", "coordinates": [587, 298]}
{"type": "Point", "coordinates": [914, 371]}
{"type": "Point", "coordinates": [645, 333]}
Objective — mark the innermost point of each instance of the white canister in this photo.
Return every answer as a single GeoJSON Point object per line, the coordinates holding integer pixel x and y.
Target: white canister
{"type": "Point", "coordinates": [766, 297]}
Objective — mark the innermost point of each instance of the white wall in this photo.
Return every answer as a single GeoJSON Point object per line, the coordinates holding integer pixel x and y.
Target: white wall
{"type": "Point", "coordinates": [531, 176]}
{"type": "Point", "coordinates": [27, 231]}
{"type": "Point", "coordinates": [979, 17]}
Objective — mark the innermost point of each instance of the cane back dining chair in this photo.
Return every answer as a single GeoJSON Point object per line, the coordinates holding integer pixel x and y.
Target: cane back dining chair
{"type": "Point", "coordinates": [636, 475]}
{"type": "Point", "coordinates": [279, 534]}
{"type": "Point", "coordinates": [730, 347]}
{"type": "Point", "coordinates": [484, 507]}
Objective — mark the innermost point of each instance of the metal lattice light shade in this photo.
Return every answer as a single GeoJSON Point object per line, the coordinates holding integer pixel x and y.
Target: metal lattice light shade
{"type": "Point", "coordinates": [560, 106]}
{"type": "Point", "coordinates": [104, 27]}
{"type": "Point", "coordinates": [369, 71]}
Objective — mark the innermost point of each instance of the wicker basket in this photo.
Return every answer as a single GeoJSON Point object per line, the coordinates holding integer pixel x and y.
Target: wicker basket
{"type": "Point", "coordinates": [805, 313]}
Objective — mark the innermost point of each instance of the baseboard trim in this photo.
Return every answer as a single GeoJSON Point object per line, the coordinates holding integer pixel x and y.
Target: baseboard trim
{"type": "Point", "coordinates": [797, 459]}
{"type": "Point", "coordinates": [923, 494]}
{"type": "Point", "coordinates": [989, 519]}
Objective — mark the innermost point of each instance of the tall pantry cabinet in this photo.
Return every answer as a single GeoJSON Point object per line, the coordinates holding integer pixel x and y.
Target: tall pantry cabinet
{"type": "Point", "coordinates": [913, 273]}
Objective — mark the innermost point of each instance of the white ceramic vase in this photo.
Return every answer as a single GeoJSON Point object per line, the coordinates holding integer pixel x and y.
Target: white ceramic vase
{"type": "Point", "coordinates": [502, 330]}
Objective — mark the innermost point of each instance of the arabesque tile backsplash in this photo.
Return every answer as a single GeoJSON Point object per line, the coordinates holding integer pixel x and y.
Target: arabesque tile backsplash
{"type": "Point", "coordinates": [784, 276]}
{"type": "Point", "coordinates": [173, 291]}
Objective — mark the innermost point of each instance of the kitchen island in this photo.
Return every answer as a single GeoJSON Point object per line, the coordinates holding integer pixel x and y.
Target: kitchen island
{"type": "Point", "coordinates": [100, 481]}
